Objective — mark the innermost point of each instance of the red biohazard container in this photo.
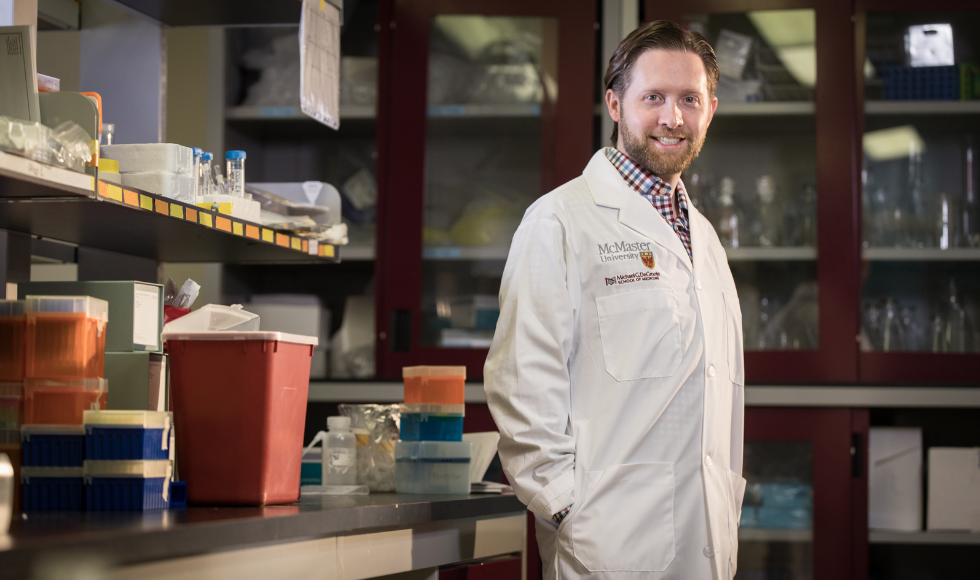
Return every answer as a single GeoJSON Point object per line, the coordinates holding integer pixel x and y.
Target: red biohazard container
{"type": "Point", "coordinates": [239, 404]}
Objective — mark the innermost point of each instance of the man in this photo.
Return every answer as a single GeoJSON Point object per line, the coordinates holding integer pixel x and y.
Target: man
{"type": "Point", "coordinates": [615, 375]}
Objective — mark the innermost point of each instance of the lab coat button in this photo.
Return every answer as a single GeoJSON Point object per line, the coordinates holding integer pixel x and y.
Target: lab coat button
{"type": "Point", "coordinates": [711, 370]}
{"type": "Point", "coordinates": [707, 460]}
{"type": "Point", "coordinates": [698, 284]}
{"type": "Point", "coordinates": [707, 552]}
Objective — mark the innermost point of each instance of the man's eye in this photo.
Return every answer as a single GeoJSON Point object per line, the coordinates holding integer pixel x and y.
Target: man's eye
{"type": "Point", "coordinates": [652, 97]}
{"type": "Point", "coordinates": [690, 100]}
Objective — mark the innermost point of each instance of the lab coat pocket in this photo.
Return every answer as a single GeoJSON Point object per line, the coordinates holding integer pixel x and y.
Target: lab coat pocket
{"type": "Point", "coordinates": [735, 513]}
{"type": "Point", "coordinates": [640, 334]}
{"type": "Point", "coordinates": [626, 523]}
{"type": "Point", "coordinates": [733, 324]}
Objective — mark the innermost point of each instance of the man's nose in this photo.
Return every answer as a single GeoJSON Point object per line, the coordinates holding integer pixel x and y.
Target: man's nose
{"type": "Point", "coordinates": [670, 115]}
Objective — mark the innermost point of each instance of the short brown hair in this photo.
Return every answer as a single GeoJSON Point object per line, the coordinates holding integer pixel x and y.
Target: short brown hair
{"type": "Point", "coordinates": [663, 35]}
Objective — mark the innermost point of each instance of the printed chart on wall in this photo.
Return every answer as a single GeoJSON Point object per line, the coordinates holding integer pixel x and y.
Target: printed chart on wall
{"type": "Point", "coordinates": [319, 55]}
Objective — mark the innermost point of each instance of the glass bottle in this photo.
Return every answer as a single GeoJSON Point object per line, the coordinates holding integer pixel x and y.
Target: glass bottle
{"type": "Point", "coordinates": [727, 218]}
{"type": "Point", "coordinates": [769, 219]}
{"type": "Point", "coordinates": [893, 334]}
{"type": "Point", "coordinates": [339, 453]}
{"type": "Point", "coordinates": [956, 331]}
{"type": "Point", "coordinates": [969, 227]}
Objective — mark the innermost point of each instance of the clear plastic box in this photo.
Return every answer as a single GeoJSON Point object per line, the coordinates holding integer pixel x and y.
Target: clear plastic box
{"type": "Point", "coordinates": [53, 445]}
{"type": "Point", "coordinates": [11, 405]}
{"type": "Point", "coordinates": [127, 485]}
{"type": "Point", "coordinates": [435, 385]}
{"type": "Point", "coordinates": [127, 435]}
{"type": "Point", "coordinates": [439, 467]}
{"type": "Point", "coordinates": [65, 337]}
{"type": "Point", "coordinates": [13, 325]}
{"type": "Point", "coordinates": [62, 402]}
{"type": "Point", "coordinates": [420, 422]}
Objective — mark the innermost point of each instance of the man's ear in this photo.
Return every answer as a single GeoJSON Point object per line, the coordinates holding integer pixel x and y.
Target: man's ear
{"type": "Point", "coordinates": [613, 104]}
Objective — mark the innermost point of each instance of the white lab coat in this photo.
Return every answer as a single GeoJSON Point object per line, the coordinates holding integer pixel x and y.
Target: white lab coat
{"type": "Point", "coordinates": [618, 387]}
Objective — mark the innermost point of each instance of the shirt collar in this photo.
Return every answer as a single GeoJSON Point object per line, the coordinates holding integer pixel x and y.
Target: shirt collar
{"type": "Point", "coordinates": [644, 182]}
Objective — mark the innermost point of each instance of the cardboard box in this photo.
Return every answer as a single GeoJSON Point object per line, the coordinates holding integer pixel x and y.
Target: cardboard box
{"type": "Point", "coordinates": [135, 310]}
{"type": "Point", "coordinates": [137, 381]}
{"type": "Point", "coordinates": [895, 478]}
{"type": "Point", "coordinates": [954, 489]}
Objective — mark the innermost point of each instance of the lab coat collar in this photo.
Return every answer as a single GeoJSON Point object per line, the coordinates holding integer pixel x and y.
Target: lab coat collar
{"type": "Point", "coordinates": [609, 189]}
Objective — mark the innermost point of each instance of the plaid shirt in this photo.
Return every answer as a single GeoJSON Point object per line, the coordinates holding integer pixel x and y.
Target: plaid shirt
{"type": "Point", "coordinates": [657, 192]}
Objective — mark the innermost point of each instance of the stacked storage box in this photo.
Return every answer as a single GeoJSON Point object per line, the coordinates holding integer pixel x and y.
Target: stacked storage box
{"type": "Point", "coordinates": [135, 365]}
{"type": "Point", "coordinates": [59, 360]}
{"type": "Point", "coordinates": [431, 456]}
{"type": "Point", "coordinates": [127, 460]}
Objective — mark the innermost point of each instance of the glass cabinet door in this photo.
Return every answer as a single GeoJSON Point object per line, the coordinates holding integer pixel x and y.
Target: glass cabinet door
{"type": "Point", "coordinates": [804, 514]}
{"type": "Point", "coordinates": [921, 240]}
{"type": "Point", "coordinates": [491, 108]}
{"type": "Point", "coordinates": [492, 90]}
{"type": "Point", "coordinates": [762, 180]}
{"type": "Point", "coordinates": [775, 535]}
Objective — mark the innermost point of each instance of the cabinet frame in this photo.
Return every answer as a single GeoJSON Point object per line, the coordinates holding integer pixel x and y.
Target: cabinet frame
{"type": "Point", "coordinates": [838, 172]}
{"type": "Point", "coordinates": [402, 116]}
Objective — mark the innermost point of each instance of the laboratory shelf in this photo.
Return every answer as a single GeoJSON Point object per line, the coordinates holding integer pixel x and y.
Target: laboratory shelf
{"type": "Point", "coordinates": [773, 535]}
{"type": "Point", "coordinates": [923, 537]}
{"type": "Point", "coordinates": [766, 109]}
{"type": "Point", "coordinates": [22, 178]}
{"type": "Point", "coordinates": [291, 113]}
{"type": "Point", "coordinates": [921, 254]}
{"type": "Point", "coordinates": [771, 254]}
{"type": "Point", "coordinates": [354, 253]}
{"type": "Point", "coordinates": [921, 107]}
{"type": "Point", "coordinates": [464, 253]}
{"type": "Point", "coordinates": [374, 391]}
{"type": "Point", "coordinates": [219, 12]}
{"type": "Point", "coordinates": [135, 222]}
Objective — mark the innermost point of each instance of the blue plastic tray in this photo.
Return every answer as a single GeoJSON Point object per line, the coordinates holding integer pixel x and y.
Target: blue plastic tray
{"type": "Point", "coordinates": [428, 427]}
{"type": "Point", "coordinates": [53, 449]}
{"type": "Point", "coordinates": [124, 443]}
{"type": "Point", "coordinates": [125, 494]}
{"type": "Point", "coordinates": [53, 493]}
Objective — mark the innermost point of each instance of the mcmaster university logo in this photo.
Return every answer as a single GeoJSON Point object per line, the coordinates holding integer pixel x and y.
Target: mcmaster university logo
{"type": "Point", "coordinates": [647, 258]}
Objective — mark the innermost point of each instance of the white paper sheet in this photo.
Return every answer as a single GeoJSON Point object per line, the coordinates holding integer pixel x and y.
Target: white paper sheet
{"type": "Point", "coordinates": [146, 315]}
{"type": "Point", "coordinates": [319, 57]}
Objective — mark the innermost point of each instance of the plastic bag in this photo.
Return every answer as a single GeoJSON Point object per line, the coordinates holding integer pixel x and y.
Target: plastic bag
{"type": "Point", "coordinates": [68, 145]}
{"type": "Point", "coordinates": [377, 429]}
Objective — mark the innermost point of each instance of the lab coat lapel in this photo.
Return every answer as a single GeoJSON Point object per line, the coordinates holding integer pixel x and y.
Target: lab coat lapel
{"type": "Point", "coordinates": [699, 239]}
{"type": "Point", "coordinates": [609, 189]}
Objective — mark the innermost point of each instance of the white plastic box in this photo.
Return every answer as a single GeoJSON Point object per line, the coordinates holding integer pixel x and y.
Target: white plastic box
{"type": "Point", "coordinates": [895, 479]}
{"type": "Point", "coordinates": [954, 489]}
{"type": "Point", "coordinates": [438, 467]}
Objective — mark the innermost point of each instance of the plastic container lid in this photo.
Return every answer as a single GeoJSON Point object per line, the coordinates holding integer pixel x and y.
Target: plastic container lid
{"type": "Point", "coordinates": [425, 450]}
{"type": "Point", "coordinates": [10, 436]}
{"type": "Point", "coordinates": [207, 156]}
{"type": "Point", "coordinates": [77, 384]}
{"type": "Point", "coordinates": [91, 307]}
{"type": "Point", "coordinates": [422, 408]}
{"type": "Point", "coordinates": [235, 155]}
{"type": "Point", "coordinates": [214, 317]}
{"type": "Point", "coordinates": [129, 419]}
{"type": "Point", "coordinates": [12, 307]}
{"type": "Point", "coordinates": [12, 390]}
{"type": "Point", "coordinates": [26, 431]}
{"type": "Point", "coordinates": [433, 372]}
{"type": "Point", "coordinates": [338, 422]}
{"type": "Point", "coordinates": [107, 165]}
{"type": "Point", "coordinates": [129, 468]}
{"type": "Point", "coordinates": [197, 151]}
{"type": "Point", "coordinates": [233, 335]}
{"type": "Point", "coordinates": [26, 473]}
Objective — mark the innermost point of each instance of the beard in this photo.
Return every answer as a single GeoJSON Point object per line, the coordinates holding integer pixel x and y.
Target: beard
{"type": "Point", "coordinates": [660, 163]}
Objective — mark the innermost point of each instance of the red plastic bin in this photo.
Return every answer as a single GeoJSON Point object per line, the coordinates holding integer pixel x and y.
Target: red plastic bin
{"type": "Point", "coordinates": [239, 404]}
